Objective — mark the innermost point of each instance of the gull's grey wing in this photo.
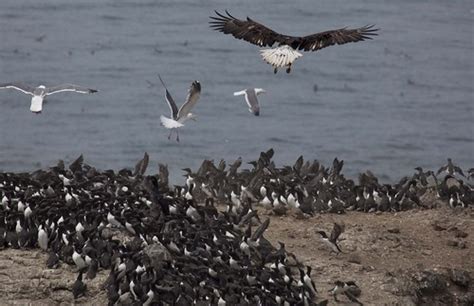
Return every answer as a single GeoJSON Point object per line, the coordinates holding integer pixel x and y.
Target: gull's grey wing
{"type": "Point", "coordinates": [69, 87]}
{"type": "Point", "coordinates": [193, 96]}
{"type": "Point", "coordinates": [171, 103]}
{"type": "Point", "coordinates": [252, 101]}
{"type": "Point", "coordinates": [19, 86]}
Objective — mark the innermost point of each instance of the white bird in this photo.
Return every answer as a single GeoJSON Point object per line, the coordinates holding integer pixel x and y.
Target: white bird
{"type": "Point", "coordinates": [179, 117]}
{"type": "Point", "coordinates": [42, 238]}
{"type": "Point", "coordinates": [40, 92]}
{"type": "Point", "coordinates": [111, 219]}
{"type": "Point", "coordinates": [263, 191]}
{"type": "Point", "coordinates": [266, 203]}
{"type": "Point", "coordinates": [251, 98]}
{"type": "Point", "coordinates": [78, 260]}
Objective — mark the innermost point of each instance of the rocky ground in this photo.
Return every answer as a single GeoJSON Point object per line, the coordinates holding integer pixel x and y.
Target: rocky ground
{"type": "Point", "coordinates": [413, 257]}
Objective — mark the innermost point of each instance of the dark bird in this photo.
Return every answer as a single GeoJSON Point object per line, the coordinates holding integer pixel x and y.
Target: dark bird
{"type": "Point", "coordinates": [331, 241]}
{"type": "Point", "coordinates": [349, 289]}
{"type": "Point", "coordinates": [78, 288]}
{"type": "Point", "coordinates": [450, 168]}
{"type": "Point", "coordinates": [470, 173]}
{"type": "Point", "coordinates": [286, 53]}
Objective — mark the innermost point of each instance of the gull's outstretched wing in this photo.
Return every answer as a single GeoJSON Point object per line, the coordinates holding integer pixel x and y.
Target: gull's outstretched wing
{"type": "Point", "coordinates": [69, 87]}
{"type": "Point", "coordinates": [171, 103]}
{"type": "Point", "coordinates": [19, 86]}
{"type": "Point", "coordinates": [193, 96]}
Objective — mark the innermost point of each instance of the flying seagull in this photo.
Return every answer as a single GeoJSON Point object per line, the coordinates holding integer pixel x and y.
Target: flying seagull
{"type": "Point", "coordinates": [286, 53]}
{"type": "Point", "coordinates": [331, 241]}
{"type": "Point", "coordinates": [251, 98]}
{"type": "Point", "coordinates": [178, 117]}
{"type": "Point", "coordinates": [39, 93]}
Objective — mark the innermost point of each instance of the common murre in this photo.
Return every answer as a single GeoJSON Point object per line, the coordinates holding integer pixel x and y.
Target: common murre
{"type": "Point", "coordinates": [331, 241]}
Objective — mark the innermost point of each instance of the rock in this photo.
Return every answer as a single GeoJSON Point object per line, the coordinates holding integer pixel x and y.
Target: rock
{"type": "Point", "coordinates": [452, 242]}
{"type": "Point", "coordinates": [427, 252]}
{"type": "Point", "coordinates": [430, 283]}
{"type": "Point", "coordinates": [107, 233]}
{"type": "Point", "coordinates": [459, 234]}
{"type": "Point", "coordinates": [431, 288]}
{"type": "Point", "coordinates": [390, 288]}
{"type": "Point", "coordinates": [460, 277]}
{"type": "Point", "coordinates": [394, 230]}
{"type": "Point", "coordinates": [368, 268]}
{"type": "Point", "coordinates": [406, 301]}
{"type": "Point", "coordinates": [438, 227]}
{"type": "Point", "coordinates": [157, 254]}
{"type": "Point", "coordinates": [466, 300]}
{"type": "Point", "coordinates": [354, 258]}
{"type": "Point", "coordinates": [456, 243]}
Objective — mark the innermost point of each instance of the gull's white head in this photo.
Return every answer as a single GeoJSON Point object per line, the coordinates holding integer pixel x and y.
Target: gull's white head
{"type": "Point", "coordinates": [189, 116]}
{"type": "Point", "coordinates": [259, 91]}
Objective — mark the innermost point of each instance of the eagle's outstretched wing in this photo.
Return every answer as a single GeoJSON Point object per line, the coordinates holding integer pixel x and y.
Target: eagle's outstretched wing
{"type": "Point", "coordinates": [340, 36]}
{"type": "Point", "coordinates": [258, 34]}
{"type": "Point", "coordinates": [248, 30]}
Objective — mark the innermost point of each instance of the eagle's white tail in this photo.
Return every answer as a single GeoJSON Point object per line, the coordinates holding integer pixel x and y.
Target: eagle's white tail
{"type": "Point", "coordinates": [170, 123]}
{"type": "Point", "coordinates": [280, 57]}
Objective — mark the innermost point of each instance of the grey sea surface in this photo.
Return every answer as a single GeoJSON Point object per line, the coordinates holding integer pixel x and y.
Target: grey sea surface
{"type": "Point", "coordinates": [402, 100]}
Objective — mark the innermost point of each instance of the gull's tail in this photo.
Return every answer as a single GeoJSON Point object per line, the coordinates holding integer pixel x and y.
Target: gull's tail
{"type": "Point", "coordinates": [36, 104]}
{"type": "Point", "coordinates": [170, 123]}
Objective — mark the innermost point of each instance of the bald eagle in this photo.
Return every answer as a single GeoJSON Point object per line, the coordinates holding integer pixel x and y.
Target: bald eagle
{"type": "Point", "coordinates": [286, 53]}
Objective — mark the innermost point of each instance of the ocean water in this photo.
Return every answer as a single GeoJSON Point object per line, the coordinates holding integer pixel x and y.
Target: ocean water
{"type": "Point", "coordinates": [402, 100]}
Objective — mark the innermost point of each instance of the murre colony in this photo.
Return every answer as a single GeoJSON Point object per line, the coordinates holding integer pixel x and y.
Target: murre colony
{"type": "Point", "coordinates": [185, 249]}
